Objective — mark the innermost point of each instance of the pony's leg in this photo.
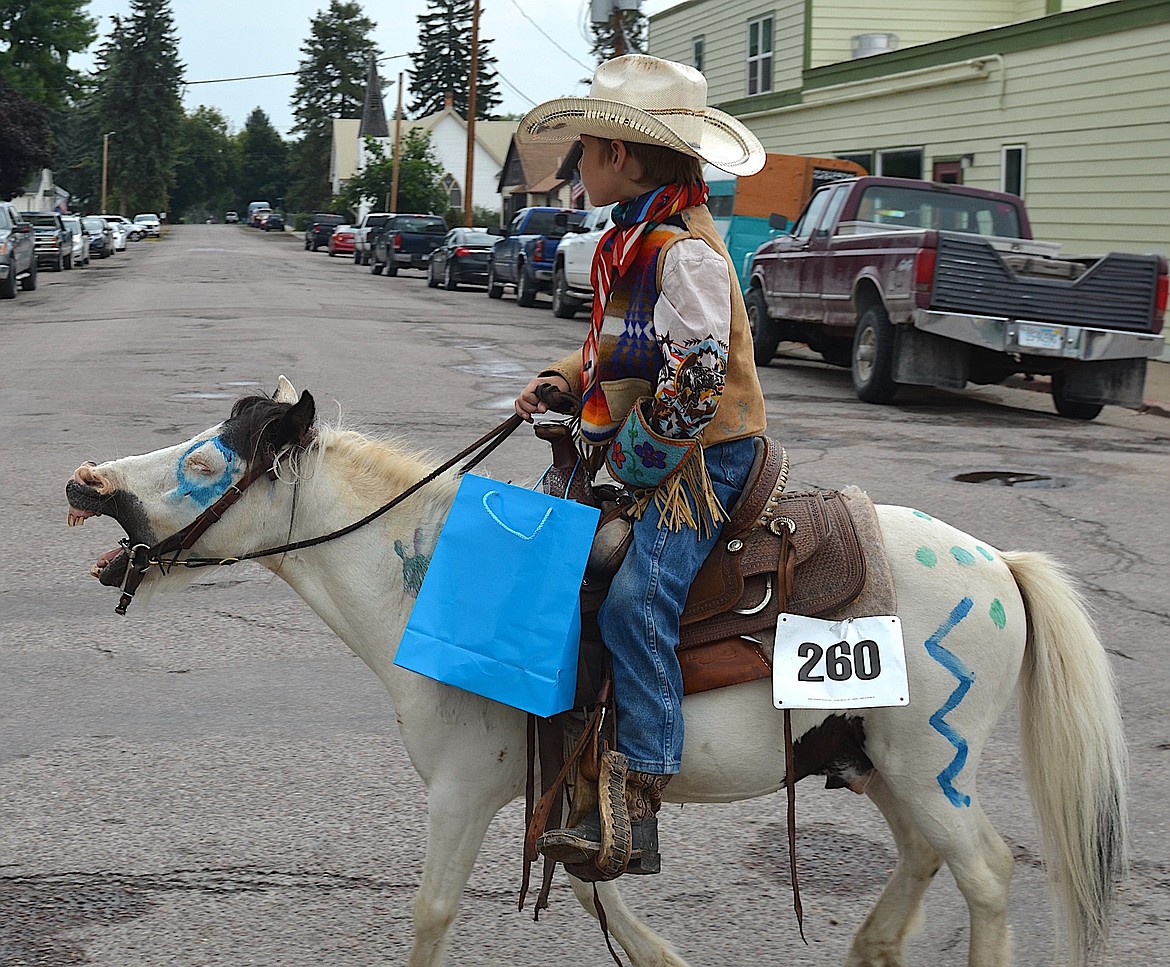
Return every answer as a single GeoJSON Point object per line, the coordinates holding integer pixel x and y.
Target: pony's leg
{"type": "Point", "coordinates": [644, 947]}
{"type": "Point", "coordinates": [458, 821]}
{"type": "Point", "coordinates": [979, 860]}
{"type": "Point", "coordinates": [881, 939]}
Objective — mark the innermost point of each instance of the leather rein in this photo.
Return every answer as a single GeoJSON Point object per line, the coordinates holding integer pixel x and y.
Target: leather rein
{"type": "Point", "coordinates": [164, 554]}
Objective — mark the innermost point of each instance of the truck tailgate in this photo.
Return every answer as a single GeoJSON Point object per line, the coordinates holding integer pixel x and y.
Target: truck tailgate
{"type": "Point", "coordinates": [1117, 292]}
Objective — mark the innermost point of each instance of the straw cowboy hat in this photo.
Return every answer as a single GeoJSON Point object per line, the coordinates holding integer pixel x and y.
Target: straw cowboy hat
{"type": "Point", "coordinates": [652, 101]}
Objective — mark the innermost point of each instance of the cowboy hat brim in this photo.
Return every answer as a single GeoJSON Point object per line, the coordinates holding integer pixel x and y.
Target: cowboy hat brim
{"type": "Point", "coordinates": [725, 142]}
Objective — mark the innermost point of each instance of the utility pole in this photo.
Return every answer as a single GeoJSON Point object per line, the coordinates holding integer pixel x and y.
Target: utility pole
{"type": "Point", "coordinates": [619, 34]}
{"type": "Point", "coordinates": [105, 165]}
{"type": "Point", "coordinates": [469, 168]}
{"type": "Point", "coordinates": [397, 146]}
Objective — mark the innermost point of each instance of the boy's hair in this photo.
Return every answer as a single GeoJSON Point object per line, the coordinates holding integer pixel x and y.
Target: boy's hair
{"type": "Point", "coordinates": [665, 166]}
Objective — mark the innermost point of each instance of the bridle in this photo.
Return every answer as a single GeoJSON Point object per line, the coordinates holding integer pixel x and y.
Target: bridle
{"type": "Point", "coordinates": [165, 554]}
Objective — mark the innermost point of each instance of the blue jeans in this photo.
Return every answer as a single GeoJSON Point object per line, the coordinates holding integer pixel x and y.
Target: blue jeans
{"type": "Point", "coordinates": [639, 620]}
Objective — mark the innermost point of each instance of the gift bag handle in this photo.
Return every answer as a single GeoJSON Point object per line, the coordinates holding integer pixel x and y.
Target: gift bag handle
{"type": "Point", "coordinates": [511, 530]}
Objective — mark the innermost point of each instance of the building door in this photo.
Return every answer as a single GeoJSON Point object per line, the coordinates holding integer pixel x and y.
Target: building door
{"type": "Point", "coordinates": [948, 172]}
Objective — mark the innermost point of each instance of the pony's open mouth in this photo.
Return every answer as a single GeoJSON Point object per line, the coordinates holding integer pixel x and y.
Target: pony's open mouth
{"type": "Point", "coordinates": [84, 503]}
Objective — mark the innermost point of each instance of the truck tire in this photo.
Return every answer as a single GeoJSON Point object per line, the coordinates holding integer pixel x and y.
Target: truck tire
{"type": "Point", "coordinates": [495, 289]}
{"type": "Point", "coordinates": [8, 286]}
{"type": "Point", "coordinates": [357, 259]}
{"type": "Point", "coordinates": [563, 305]}
{"type": "Point", "coordinates": [765, 330]}
{"type": "Point", "coordinates": [873, 357]}
{"type": "Point", "coordinates": [432, 282]}
{"type": "Point", "coordinates": [69, 262]}
{"type": "Point", "coordinates": [375, 267]}
{"type": "Point", "coordinates": [525, 286]}
{"type": "Point", "coordinates": [391, 269]}
{"type": "Point", "coordinates": [29, 282]}
{"type": "Point", "coordinates": [1072, 409]}
{"type": "Point", "coordinates": [59, 265]}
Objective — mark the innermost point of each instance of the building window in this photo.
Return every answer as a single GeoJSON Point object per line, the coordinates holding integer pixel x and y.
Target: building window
{"type": "Point", "coordinates": [863, 158]}
{"type": "Point", "coordinates": [697, 48]}
{"type": "Point", "coordinates": [454, 192]}
{"type": "Point", "coordinates": [1012, 170]}
{"type": "Point", "coordinates": [759, 60]}
{"type": "Point", "coordinates": [900, 163]}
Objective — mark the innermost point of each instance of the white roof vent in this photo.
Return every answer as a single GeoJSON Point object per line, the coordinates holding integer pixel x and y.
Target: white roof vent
{"type": "Point", "coordinates": [866, 45]}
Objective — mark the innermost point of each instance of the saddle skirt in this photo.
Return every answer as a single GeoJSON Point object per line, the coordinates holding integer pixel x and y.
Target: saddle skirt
{"type": "Point", "coordinates": [815, 553]}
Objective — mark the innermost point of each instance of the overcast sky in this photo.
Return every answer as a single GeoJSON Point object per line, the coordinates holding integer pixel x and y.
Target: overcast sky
{"type": "Point", "coordinates": [234, 38]}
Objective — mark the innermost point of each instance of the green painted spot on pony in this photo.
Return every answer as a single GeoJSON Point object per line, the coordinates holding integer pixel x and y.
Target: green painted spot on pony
{"type": "Point", "coordinates": [985, 552]}
{"type": "Point", "coordinates": [918, 513]}
{"type": "Point", "coordinates": [998, 615]}
{"type": "Point", "coordinates": [964, 557]}
{"type": "Point", "coordinates": [926, 557]}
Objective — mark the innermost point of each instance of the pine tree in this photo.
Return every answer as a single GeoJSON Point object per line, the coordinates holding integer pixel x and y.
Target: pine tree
{"type": "Point", "coordinates": [138, 92]}
{"type": "Point", "coordinates": [633, 36]}
{"type": "Point", "coordinates": [442, 65]}
{"type": "Point", "coordinates": [331, 83]}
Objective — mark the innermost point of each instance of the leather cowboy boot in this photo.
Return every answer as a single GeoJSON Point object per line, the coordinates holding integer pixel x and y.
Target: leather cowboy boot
{"type": "Point", "coordinates": [643, 800]}
{"type": "Point", "coordinates": [586, 849]}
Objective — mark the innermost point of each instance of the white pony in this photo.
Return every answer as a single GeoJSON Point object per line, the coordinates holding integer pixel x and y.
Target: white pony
{"type": "Point", "coordinates": [978, 623]}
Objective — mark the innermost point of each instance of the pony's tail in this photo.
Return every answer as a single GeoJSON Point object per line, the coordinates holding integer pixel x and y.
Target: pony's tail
{"type": "Point", "coordinates": [1074, 753]}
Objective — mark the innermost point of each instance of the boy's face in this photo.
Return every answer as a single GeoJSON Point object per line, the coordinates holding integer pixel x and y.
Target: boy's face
{"type": "Point", "coordinates": [606, 168]}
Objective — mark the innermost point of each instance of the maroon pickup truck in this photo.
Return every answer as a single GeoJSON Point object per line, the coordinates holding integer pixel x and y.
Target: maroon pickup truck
{"type": "Point", "coordinates": [911, 282]}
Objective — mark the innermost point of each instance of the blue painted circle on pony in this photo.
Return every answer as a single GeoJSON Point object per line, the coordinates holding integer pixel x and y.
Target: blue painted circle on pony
{"type": "Point", "coordinates": [201, 491]}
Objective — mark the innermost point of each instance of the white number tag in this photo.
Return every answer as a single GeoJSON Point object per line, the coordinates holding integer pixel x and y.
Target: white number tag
{"type": "Point", "coordinates": [855, 663]}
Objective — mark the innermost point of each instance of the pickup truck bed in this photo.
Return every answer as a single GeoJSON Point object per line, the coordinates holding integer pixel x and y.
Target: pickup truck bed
{"type": "Point", "coordinates": [916, 283]}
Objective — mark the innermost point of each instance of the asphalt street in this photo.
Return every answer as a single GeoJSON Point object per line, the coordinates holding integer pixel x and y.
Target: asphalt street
{"type": "Point", "coordinates": [217, 780]}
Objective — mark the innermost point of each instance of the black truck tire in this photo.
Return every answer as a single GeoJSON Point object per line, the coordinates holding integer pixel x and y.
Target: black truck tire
{"type": "Point", "coordinates": [375, 266]}
{"type": "Point", "coordinates": [564, 306]}
{"type": "Point", "coordinates": [29, 282]}
{"type": "Point", "coordinates": [525, 286]}
{"type": "Point", "coordinates": [765, 331]}
{"type": "Point", "coordinates": [391, 269]}
{"type": "Point", "coordinates": [8, 286]}
{"type": "Point", "coordinates": [1072, 409]}
{"type": "Point", "coordinates": [495, 288]}
{"type": "Point", "coordinates": [873, 357]}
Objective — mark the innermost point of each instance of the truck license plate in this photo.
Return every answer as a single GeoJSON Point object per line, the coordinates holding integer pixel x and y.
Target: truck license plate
{"type": "Point", "coordinates": [1040, 337]}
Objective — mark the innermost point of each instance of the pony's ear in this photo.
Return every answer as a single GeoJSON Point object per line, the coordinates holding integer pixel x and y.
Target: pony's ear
{"type": "Point", "coordinates": [295, 427]}
{"type": "Point", "coordinates": [285, 391]}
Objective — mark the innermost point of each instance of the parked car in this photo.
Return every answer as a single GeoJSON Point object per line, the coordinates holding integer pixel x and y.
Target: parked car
{"type": "Point", "coordinates": [320, 228]}
{"type": "Point", "coordinates": [54, 242]}
{"type": "Point", "coordinates": [259, 217]}
{"type": "Point", "coordinates": [18, 256]}
{"type": "Point", "coordinates": [101, 236]}
{"type": "Point", "coordinates": [912, 282]}
{"type": "Point", "coordinates": [119, 231]}
{"type": "Point", "coordinates": [525, 255]}
{"type": "Point", "coordinates": [253, 207]}
{"type": "Point", "coordinates": [341, 241]}
{"type": "Point", "coordinates": [132, 230]}
{"type": "Point", "coordinates": [231, 218]}
{"type": "Point", "coordinates": [406, 242]}
{"type": "Point", "coordinates": [366, 229]}
{"type": "Point", "coordinates": [571, 288]}
{"type": "Point", "coordinates": [462, 258]}
{"type": "Point", "coordinates": [274, 222]}
{"type": "Point", "coordinates": [80, 238]}
{"type": "Point", "coordinates": [150, 223]}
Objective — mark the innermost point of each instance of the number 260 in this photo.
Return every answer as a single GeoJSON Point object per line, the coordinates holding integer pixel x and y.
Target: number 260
{"type": "Point", "coordinates": [842, 661]}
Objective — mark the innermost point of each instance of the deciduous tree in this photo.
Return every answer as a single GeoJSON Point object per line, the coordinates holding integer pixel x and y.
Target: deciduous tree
{"type": "Point", "coordinates": [419, 177]}
{"type": "Point", "coordinates": [442, 64]}
{"type": "Point", "coordinates": [24, 140]}
{"type": "Point", "coordinates": [36, 39]}
{"type": "Point", "coordinates": [207, 168]}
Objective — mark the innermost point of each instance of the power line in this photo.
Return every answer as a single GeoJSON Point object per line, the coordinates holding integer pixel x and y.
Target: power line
{"type": "Point", "coordinates": [547, 37]}
{"type": "Point", "coordinates": [255, 77]}
{"type": "Point", "coordinates": [515, 88]}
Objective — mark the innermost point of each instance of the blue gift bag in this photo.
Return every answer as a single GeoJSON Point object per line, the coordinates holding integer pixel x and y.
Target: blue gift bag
{"type": "Point", "coordinates": [499, 611]}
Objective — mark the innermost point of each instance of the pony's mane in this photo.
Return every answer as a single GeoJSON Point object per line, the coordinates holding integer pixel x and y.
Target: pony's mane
{"type": "Point", "coordinates": [375, 467]}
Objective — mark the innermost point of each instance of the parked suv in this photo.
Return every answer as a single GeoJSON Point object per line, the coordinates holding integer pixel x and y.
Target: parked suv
{"type": "Point", "coordinates": [151, 223]}
{"type": "Point", "coordinates": [54, 241]}
{"type": "Point", "coordinates": [18, 257]}
{"type": "Point", "coordinates": [319, 230]}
